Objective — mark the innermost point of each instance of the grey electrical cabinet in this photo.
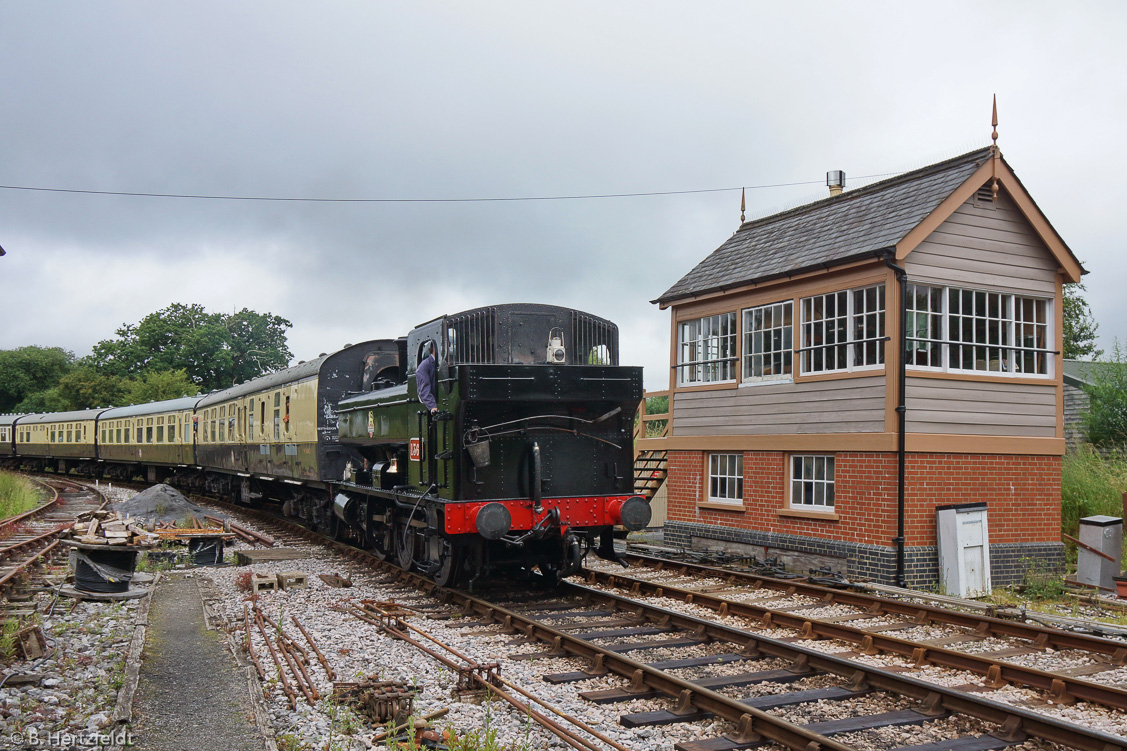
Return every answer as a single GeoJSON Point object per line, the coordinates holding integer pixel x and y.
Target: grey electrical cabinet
{"type": "Point", "coordinates": [964, 549]}
{"type": "Point", "coordinates": [1103, 534]}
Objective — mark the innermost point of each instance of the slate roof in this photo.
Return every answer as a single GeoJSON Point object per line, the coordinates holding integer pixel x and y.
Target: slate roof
{"type": "Point", "coordinates": [835, 230]}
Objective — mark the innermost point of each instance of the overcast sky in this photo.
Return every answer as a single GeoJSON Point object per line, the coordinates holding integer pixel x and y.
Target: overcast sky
{"type": "Point", "coordinates": [504, 99]}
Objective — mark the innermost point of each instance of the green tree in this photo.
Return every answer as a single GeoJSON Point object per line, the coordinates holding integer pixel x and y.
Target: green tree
{"type": "Point", "coordinates": [1079, 325]}
{"type": "Point", "coordinates": [158, 385]}
{"type": "Point", "coordinates": [1105, 423]}
{"type": "Point", "coordinates": [49, 400]}
{"type": "Point", "coordinates": [86, 388]}
{"type": "Point", "coordinates": [27, 370]}
{"type": "Point", "coordinates": [216, 350]}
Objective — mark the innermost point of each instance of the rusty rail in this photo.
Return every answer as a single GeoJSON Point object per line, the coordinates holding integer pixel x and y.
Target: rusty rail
{"type": "Point", "coordinates": [320, 657]}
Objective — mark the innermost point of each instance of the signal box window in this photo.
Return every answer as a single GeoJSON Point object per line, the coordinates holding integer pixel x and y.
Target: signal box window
{"type": "Point", "coordinates": [707, 350]}
{"type": "Point", "coordinates": [843, 331]}
{"type": "Point", "coordinates": [726, 478]}
{"type": "Point", "coordinates": [768, 341]}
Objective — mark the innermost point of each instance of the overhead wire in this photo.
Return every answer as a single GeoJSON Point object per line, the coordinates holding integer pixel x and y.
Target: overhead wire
{"type": "Point", "coordinates": [487, 199]}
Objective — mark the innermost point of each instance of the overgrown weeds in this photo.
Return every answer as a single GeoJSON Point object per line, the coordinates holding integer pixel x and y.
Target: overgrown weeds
{"type": "Point", "coordinates": [17, 495]}
{"type": "Point", "coordinates": [1091, 483]}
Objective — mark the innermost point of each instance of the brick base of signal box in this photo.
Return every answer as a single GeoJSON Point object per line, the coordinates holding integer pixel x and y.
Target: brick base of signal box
{"type": "Point", "coordinates": [1022, 494]}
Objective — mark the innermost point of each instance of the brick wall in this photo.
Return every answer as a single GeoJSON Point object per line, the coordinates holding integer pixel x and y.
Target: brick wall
{"type": "Point", "coordinates": [1022, 495]}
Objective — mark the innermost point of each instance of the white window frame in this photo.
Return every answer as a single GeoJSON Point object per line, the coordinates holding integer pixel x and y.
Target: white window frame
{"type": "Point", "coordinates": [773, 343]}
{"type": "Point", "coordinates": [852, 335]}
{"type": "Point", "coordinates": [725, 479]}
{"type": "Point", "coordinates": [704, 355]}
{"type": "Point", "coordinates": [809, 467]}
{"type": "Point", "coordinates": [1008, 323]}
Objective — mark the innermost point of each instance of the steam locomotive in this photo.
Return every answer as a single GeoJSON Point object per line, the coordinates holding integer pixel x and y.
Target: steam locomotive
{"type": "Point", "coordinates": [527, 463]}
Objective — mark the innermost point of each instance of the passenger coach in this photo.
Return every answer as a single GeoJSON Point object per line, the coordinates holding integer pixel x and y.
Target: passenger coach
{"type": "Point", "coordinates": [147, 438]}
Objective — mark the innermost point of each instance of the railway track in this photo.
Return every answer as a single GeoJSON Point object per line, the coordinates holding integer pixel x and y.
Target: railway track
{"type": "Point", "coordinates": [1002, 652]}
{"type": "Point", "coordinates": [33, 536]}
{"type": "Point", "coordinates": [775, 671]}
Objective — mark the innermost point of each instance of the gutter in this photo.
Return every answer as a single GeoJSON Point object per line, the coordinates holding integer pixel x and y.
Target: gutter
{"type": "Point", "coordinates": [901, 413]}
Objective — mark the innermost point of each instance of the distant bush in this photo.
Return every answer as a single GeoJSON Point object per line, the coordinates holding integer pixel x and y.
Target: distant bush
{"type": "Point", "coordinates": [1105, 423]}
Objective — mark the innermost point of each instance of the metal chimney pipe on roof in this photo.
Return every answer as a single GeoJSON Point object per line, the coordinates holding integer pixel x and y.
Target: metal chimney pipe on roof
{"type": "Point", "coordinates": [835, 179]}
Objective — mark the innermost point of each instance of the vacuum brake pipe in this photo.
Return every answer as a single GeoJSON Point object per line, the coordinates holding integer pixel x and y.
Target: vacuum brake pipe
{"type": "Point", "coordinates": [548, 723]}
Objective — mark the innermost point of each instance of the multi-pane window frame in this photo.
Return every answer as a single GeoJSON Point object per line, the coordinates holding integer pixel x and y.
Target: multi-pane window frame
{"type": "Point", "coordinates": [724, 478]}
{"type": "Point", "coordinates": [768, 343]}
{"type": "Point", "coordinates": [1017, 347]}
{"type": "Point", "coordinates": [811, 482]}
{"type": "Point", "coordinates": [707, 349]}
{"type": "Point", "coordinates": [858, 332]}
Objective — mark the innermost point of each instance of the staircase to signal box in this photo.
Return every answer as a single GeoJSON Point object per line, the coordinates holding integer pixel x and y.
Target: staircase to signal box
{"type": "Point", "coordinates": [650, 464]}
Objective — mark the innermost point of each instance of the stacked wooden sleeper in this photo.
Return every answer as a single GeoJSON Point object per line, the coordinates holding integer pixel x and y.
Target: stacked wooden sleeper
{"type": "Point", "coordinates": [104, 527]}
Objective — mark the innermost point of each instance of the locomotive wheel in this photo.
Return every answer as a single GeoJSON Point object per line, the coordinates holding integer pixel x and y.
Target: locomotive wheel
{"type": "Point", "coordinates": [383, 542]}
{"type": "Point", "coordinates": [451, 568]}
{"type": "Point", "coordinates": [405, 539]}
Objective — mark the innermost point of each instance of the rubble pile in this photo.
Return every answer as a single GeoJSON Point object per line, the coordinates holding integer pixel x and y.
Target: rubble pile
{"type": "Point", "coordinates": [163, 506]}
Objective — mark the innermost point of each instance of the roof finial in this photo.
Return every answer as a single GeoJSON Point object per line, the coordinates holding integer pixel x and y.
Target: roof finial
{"type": "Point", "coordinates": [994, 122]}
{"type": "Point", "coordinates": [994, 160]}
{"type": "Point", "coordinates": [743, 204]}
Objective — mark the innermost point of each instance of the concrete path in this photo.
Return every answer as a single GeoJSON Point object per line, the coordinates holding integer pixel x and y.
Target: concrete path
{"type": "Point", "coordinates": [190, 696]}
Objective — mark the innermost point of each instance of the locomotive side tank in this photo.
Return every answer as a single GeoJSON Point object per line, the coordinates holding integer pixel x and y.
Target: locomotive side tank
{"type": "Point", "coordinates": [528, 461]}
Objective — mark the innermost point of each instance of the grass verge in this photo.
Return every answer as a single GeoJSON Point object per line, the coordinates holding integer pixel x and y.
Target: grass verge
{"type": "Point", "coordinates": [17, 495]}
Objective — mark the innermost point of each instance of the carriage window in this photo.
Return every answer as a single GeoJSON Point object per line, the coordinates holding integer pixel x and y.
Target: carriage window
{"type": "Point", "coordinates": [222, 424]}
{"type": "Point", "coordinates": [250, 421]}
{"type": "Point", "coordinates": [262, 417]}
{"type": "Point", "coordinates": [148, 435]}
{"type": "Point", "coordinates": [70, 434]}
{"type": "Point", "coordinates": [287, 420]}
{"type": "Point", "coordinates": [52, 435]}
{"type": "Point", "coordinates": [277, 415]}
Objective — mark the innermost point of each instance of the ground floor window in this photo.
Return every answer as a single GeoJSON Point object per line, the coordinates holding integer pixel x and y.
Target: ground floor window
{"type": "Point", "coordinates": [812, 481]}
{"type": "Point", "coordinates": [726, 478]}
